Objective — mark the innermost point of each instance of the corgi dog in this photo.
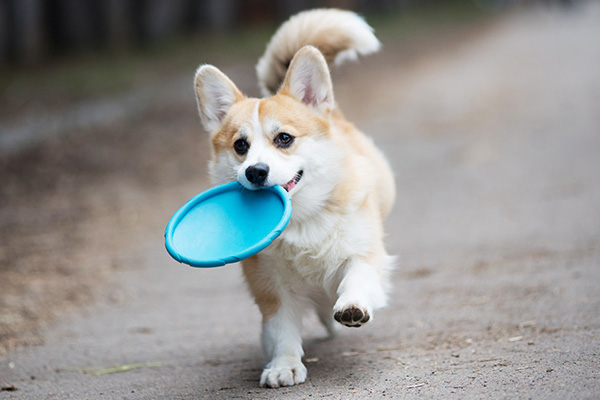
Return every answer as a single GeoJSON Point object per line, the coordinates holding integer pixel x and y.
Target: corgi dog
{"type": "Point", "coordinates": [331, 256]}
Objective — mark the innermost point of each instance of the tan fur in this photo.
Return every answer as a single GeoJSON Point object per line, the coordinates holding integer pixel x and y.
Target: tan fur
{"type": "Point", "coordinates": [368, 184]}
{"type": "Point", "coordinates": [296, 118]}
{"type": "Point", "coordinates": [360, 144]}
{"type": "Point", "coordinates": [261, 287]}
{"type": "Point", "coordinates": [331, 255]}
{"type": "Point", "coordinates": [215, 93]}
{"type": "Point", "coordinates": [240, 112]}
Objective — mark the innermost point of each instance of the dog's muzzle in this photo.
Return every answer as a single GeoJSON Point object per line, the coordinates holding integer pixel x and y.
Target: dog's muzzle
{"type": "Point", "coordinates": [257, 174]}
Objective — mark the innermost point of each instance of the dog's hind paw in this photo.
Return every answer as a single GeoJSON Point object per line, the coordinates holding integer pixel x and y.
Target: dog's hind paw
{"type": "Point", "coordinates": [352, 316]}
{"type": "Point", "coordinates": [276, 376]}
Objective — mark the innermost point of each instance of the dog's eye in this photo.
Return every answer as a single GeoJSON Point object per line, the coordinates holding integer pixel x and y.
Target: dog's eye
{"type": "Point", "coordinates": [283, 140]}
{"type": "Point", "coordinates": [241, 146]}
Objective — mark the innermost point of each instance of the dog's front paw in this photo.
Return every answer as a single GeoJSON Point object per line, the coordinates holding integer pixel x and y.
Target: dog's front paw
{"type": "Point", "coordinates": [352, 316]}
{"type": "Point", "coordinates": [276, 375]}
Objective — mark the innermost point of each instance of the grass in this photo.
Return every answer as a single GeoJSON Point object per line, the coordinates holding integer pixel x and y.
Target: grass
{"type": "Point", "coordinates": [116, 70]}
{"type": "Point", "coordinates": [98, 371]}
{"type": "Point", "coordinates": [424, 19]}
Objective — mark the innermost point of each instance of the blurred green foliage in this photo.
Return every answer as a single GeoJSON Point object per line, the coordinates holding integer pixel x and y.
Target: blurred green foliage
{"type": "Point", "coordinates": [111, 71]}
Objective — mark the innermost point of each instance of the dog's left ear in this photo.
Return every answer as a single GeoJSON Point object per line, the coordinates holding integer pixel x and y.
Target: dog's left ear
{"type": "Point", "coordinates": [308, 80]}
{"type": "Point", "coordinates": [215, 94]}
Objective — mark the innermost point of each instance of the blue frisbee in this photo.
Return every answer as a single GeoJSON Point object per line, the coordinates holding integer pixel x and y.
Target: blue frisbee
{"type": "Point", "coordinates": [226, 224]}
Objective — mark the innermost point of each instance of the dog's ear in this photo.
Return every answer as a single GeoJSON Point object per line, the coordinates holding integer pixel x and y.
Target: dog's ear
{"type": "Point", "coordinates": [308, 80]}
{"type": "Point", "coordinates": [215, 94]}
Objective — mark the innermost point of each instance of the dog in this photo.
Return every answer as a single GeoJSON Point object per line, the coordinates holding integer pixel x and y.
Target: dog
{"type": "Point", "coordinates": [331, 256]}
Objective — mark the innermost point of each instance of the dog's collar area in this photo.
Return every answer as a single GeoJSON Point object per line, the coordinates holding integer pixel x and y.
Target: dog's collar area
{"type": "Point", "coordinates": [293, 182]}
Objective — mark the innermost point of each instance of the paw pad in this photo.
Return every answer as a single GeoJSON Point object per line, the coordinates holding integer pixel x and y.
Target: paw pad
{"type": "Point", "coordinates": [352, 316]}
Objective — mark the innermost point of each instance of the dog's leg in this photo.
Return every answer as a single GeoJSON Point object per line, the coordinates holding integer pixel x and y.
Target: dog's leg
{"type": "Point", "coordinates": [283, 346]}
{"type": "Point", "coordinates": [359, 293]}
{"type": "Point", "coordinates": [282, 320]}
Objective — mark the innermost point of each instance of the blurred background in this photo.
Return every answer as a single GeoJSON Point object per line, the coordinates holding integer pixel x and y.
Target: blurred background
{"type": "Point", "coordinates": [99, 136]}
{"type": "Point", "coordinates": [34, 30]}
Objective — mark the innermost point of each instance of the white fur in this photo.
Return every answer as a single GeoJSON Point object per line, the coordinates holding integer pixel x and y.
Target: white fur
{"type": "Point", "coordinates": [309, 80]}
{"type": "Point", "coordinates": [215, 94]}
{"type": "Point", "coordinates": [312, 28]}
{"type": "Point", "coordinates": [321, 260]}
{"type": "Point", "coordinates": [317, 262]}
{"type": "Point", "coordinates": [360, 287]}
{"type": "Point", "coordinates": [283, 348]}
{"type": "Point", "coordinates": [259, 134]}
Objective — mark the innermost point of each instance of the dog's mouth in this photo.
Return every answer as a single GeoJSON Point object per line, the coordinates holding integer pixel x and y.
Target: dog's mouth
{"type": "Point", "coordinates": [292, 184]}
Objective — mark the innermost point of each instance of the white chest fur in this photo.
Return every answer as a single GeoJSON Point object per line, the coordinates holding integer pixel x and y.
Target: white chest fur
{"type": "Point", "coordinates": [314, 251]}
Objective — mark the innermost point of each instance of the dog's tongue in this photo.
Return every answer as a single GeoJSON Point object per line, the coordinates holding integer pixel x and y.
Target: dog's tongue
{"type": "Point", "coordinates": [290, 185]}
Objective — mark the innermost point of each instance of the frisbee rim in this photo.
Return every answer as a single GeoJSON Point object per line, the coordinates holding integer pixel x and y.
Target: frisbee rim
{"type": "Point", "coordinates": [195, 201]}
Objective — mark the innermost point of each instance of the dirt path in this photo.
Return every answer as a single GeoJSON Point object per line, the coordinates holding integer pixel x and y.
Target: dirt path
{"type": "Point", "coordinates": [494, 141]}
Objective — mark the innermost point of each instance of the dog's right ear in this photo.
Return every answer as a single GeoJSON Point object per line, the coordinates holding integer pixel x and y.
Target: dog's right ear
{"type": "Point", "coordinates": [308, 80]}
{"type": "Point", "coordinates": [215, 94]}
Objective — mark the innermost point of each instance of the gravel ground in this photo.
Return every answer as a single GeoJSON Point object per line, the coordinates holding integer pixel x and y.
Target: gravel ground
{"type": "Point", "coordinates": [494, 139]}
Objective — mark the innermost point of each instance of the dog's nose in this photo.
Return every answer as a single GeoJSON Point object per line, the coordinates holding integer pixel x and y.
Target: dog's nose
{"type": "Point", "coordinates": [257, 173]}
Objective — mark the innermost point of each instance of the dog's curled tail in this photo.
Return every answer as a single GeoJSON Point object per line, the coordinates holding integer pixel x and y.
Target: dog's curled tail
{"type": "Point", "coordinates": [339, 35]}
